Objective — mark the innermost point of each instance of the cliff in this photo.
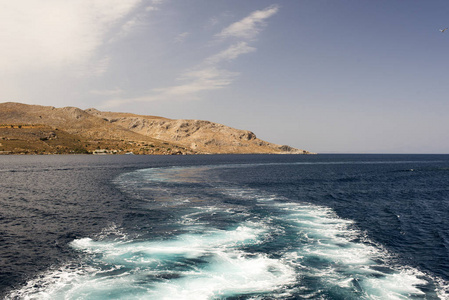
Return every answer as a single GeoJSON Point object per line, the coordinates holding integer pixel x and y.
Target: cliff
{"type": "Point", "coordinates": [45, 129]}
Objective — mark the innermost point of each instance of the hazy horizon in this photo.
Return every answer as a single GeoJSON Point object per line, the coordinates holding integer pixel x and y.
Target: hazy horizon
{"type": "Point", "coordinates": [324, 76]}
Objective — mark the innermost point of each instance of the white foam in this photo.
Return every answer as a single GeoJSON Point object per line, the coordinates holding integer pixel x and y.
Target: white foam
{"type": "Point", "coordinates": [393, 286]}
{"type": "Point", "coordinates": [228, 270]}
{"type": "Point", "coordinates": [442, 288]}
{"type": "Point", "coordinates": [346, 263]}
{"type": "Point", "coordinates": [53, 284]}
{"type": "Point", "coordinates": [189, 245]}
{"type": "Point", "coordinates": [228, 274]}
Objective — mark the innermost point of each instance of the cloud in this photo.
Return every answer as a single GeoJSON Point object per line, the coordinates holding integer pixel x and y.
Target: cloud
{"type": "Point", "coordinates": [196, 81]}
{"type": "Point", "coordinates": [54, 33]}
{"type": "Point", "coordinates": [231, 53]}
{"type": "Point", "coordinates": [154, 5]}
{"type": "Point", "coordinates": [213, 21]}
{"type": "Point", "coordinates": [180, 38]}
{"type": "Point", "coordinates": [209, 75]}
{"type": "Point", "coordinates": [200, 80]}
{"type": "Point", "coordinates": [135, 21]}
{"type": "Point", "coordinates": [250, 26]}
{"type": "Point", "coordinates": [125, 29]}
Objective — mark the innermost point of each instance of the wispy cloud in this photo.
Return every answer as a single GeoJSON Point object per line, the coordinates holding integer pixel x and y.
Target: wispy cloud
{"type": "Point", "coordinates": [154, 5]}
{"type": "Point", "coordinates": [250, 26]}
{"type": "Point", "coordinates": [231, 53]}
{"type": "Point", "coordinates": [210, 74]}
{"type": "Point", "coordinates": [213, 21]}
{"type": "Point", "coordinates": [206, 79]}
{"type": "Point", "coordinates": [200, 80]}
{"type": "Point", "coordinates": [125, 29]}
{"type": "Point", "coordinates": [180, 38]}
{"type": "Point", "coordinates": [137, 19]}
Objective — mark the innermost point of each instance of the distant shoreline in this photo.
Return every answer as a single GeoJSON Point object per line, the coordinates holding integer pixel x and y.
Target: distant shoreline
{"type": "Point", "coordinates": [36, 129]}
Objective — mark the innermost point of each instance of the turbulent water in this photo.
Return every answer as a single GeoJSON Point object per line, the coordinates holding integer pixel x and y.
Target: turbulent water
{"type": "Point", "coordinates": [225, 227]}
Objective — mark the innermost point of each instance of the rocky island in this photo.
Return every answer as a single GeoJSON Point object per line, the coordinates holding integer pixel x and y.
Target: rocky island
{"type": "Point", "coordinates": [36, 129]}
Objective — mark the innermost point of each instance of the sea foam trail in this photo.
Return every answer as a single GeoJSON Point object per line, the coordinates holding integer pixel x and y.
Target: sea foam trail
{"type": "Point", "coordinates": [191, 266]}
{"type": "Point", "coordinates": [269, 247]}
{"type": "Point", "coordinates": [331, 253]}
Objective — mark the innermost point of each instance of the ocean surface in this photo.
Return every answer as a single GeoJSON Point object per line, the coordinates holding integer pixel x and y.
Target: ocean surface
{"type": "Point", "coordinates": [224, 227]}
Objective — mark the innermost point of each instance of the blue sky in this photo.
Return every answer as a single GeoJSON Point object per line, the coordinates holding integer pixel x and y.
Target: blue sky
{"type": "Point", "coordinates": [326, 76]}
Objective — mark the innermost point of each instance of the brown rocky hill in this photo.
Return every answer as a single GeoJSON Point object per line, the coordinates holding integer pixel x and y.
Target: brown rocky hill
{"type": "Point", "coordinates": [45, 129]}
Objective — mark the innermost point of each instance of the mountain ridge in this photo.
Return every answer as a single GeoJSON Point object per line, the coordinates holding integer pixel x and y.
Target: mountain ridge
{"type": "Point", "coordinates": [32, 129]}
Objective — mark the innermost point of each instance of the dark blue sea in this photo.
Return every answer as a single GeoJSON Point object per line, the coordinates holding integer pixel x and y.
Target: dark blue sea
{"type": "Point", "coordinates": [224, 227]}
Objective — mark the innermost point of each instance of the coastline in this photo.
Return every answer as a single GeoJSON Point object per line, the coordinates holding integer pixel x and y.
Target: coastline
{"type": "Point", "coordinates": [36, 129]}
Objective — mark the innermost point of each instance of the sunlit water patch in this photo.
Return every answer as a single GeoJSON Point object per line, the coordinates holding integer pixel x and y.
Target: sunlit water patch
{"type": "Point", "coordinates": [197, 237]}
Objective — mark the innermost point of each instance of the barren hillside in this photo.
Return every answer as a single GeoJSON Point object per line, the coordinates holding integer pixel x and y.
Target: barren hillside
{"type": "Point", "coordinates": [123, 132]}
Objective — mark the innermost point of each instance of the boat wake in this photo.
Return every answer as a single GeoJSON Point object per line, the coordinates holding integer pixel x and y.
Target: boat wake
{"type": "Point", "coordinates": [227, 241]}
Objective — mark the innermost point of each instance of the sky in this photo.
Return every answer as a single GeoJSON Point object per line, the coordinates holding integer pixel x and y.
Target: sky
{"type": "Point", "coordinates": [328, 76]}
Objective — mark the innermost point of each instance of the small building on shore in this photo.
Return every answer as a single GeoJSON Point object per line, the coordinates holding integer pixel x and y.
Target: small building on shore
{"type": "Point", "coordinates": [104, 152]}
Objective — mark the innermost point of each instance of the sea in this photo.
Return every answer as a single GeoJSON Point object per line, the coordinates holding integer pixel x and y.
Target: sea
{"type": "Point", "coordinates": [326, 226]}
